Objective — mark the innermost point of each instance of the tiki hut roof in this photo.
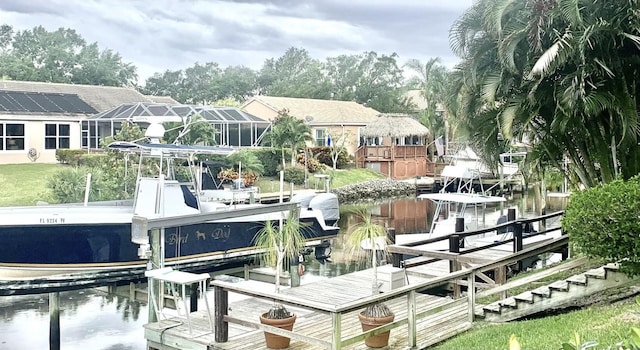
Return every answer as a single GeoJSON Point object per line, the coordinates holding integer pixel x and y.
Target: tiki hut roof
{"type": "Point", "coordinates": [395, 125]}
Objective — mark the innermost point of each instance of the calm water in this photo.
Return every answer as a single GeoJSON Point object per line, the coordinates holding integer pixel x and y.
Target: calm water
{"type": "Point", "coordinates": [91, 319]}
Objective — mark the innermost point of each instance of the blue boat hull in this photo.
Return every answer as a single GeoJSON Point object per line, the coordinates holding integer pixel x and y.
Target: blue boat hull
{"type": "Point", "coordinates": [91, 246]}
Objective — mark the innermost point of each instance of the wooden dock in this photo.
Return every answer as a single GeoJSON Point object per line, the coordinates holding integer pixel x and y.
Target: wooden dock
{"type": "Point", "coordinates": [327, 309]}
{"type": "Point", "coordinates": [446, 318]}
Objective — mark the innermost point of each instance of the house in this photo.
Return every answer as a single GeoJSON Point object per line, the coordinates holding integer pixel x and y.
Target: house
{"type": "Point", "coordinates": [395, 145]}
{"type": "Point", "coordinates": [37, 118]}
{"type": "Point", "coordinates": [338, 122]}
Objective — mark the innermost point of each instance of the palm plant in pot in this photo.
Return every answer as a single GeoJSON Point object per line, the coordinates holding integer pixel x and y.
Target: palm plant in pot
{"type": "Point", "coordinates": [368, 237]}
{"type": "Point", "coordinates": [280, 240]}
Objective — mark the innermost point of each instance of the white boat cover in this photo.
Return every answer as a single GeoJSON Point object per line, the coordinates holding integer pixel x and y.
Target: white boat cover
{"type": "Point", "coordinates": [465, 198]}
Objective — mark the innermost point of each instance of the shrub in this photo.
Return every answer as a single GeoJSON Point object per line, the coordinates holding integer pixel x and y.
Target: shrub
{"type": "Point", "coordinates": [323, 155]}
{"type": "Point", "coordinates": [91, 160]}
{"type": "Point", "coordinates": [270, 159]}
{"type": "Point", "coordinates": [313, 165]}
{"type": "Point", "coordinates": [602, 222]}
{"type": "Point", "coordinates": [294, 174]}
{"type": "Point", "coordinates": [68, 185]}
{"type": "Point", "coordinates": [69, 156]}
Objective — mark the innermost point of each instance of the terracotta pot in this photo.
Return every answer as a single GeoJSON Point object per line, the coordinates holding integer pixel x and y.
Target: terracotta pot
{"type": "Point", "coordinates": [379, 340]}
{"type": "Point", "coordinates": [275, 341]}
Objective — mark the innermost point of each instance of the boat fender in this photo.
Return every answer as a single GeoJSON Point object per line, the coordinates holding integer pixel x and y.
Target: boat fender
{"type": "Point", "coordinates": [300, 265]}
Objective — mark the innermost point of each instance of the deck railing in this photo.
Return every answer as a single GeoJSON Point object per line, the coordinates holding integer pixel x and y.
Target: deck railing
{"type": "Point", "coordinates": [457, 277]}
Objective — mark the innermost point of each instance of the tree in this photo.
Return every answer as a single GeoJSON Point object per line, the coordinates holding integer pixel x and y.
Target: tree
{"type": "Point", "coordinates": [287, 131]}
{"type": "Point", "coordinates": [61, 56]}
{"type": "Point", "coordinates": [558, 73]}
{"type": "Point", "coordinates": [194, 130]}
{"type": "Point", "coordinates": [294, 74]}
{"type": "Point", "coordinates": [432, 83]}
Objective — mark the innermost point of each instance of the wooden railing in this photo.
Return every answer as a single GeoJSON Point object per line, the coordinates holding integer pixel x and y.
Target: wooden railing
{"type": "Point", "coordinates": [370, 153]}
{"type": "Point", "coordinates": [457, 277]}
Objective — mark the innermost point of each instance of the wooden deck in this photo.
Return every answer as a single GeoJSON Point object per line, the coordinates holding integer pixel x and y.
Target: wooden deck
{"type": "Point", "coordinates": [327, 309]}
{"type": "Point", "coordinates": [448, 317]}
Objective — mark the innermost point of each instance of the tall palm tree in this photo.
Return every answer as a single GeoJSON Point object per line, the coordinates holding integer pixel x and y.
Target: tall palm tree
{"type": "Point", "coordinates": [287, 131]}
{"type": "Point", "coordinates": [431, 80]}
{"type": "Point", "coordinates": [559, 72]}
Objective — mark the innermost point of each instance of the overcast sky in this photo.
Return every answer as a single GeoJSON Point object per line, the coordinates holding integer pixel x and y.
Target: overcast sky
{"type": "Point", "coordinates": [156, 35]}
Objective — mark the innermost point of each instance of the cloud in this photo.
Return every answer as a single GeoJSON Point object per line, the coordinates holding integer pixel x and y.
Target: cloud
{"type": "Point", "coordinates": [174, 34]}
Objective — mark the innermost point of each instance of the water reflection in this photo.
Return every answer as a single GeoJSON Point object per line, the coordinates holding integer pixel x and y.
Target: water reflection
{"type": "Point", "coordinates": [89, 319]}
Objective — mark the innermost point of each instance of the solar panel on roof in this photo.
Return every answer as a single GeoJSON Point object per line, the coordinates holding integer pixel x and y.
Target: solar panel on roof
{"type": "Point", "coordinates": [34, 102]}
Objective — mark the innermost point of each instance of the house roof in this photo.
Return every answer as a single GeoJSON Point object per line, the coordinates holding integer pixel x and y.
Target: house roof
{"type": "Point", "coordinates": [129, 111]}
{"type": "Point", "coordinates": [397, 125]}
{"type": "Point", "coordinates": [322, 111]}
{"type": "Point", "coordinates": [101, 98]}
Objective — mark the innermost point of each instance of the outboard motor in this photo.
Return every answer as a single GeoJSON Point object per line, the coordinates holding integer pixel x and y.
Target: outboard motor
{"type": "Point", "coordinates": [303, 198]}
{"type": "Point", "coordinates": [322, 252]}
{"type": "Point", "coordinates": [328, 205]}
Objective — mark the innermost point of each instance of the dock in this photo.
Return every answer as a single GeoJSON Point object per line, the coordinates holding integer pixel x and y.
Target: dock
{"type": "Point", "coordinates": [327, 309]}
{"type": "Point", "coordinates": [447, 316]}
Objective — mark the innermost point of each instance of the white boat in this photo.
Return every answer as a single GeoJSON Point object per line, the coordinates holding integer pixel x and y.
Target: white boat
{"type": "Point", "coordinates": [449, 207]}
{"type": "Point", "coordinates": [48, 240]}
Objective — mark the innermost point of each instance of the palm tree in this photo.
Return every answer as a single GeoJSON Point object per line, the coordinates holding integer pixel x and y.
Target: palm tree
{"type": "Point", "coordinates": [373, 236]}
{"type": "Point", "coordinates": [280, 240]}
{"type": "Point", "coordinates": [560, 73]}
{"type": "Point", "coordinates": [287, 131]}
{"type": "Point", "coordinates": [431, 81]}
{"type": "Point", "coordinates": [369, 237]}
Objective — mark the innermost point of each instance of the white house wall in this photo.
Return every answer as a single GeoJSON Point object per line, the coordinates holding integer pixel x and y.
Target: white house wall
{"type": "Point", "coordinates": [34, 130]}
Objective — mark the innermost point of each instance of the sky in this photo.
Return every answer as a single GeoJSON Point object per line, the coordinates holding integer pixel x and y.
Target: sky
{"type": "Point", "coordinates": [160, 35]}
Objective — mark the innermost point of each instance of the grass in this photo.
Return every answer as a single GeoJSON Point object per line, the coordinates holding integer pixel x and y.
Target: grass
{"type": "Point", "coordinates": [25, 184]}
{"type": "Point", "coordinates": [339, 178]}
{"type": "Point", "coordinates": [606, 324]}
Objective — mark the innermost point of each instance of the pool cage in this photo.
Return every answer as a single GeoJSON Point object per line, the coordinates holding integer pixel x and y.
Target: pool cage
{"type": "Point", "coordinates": [234, 127]}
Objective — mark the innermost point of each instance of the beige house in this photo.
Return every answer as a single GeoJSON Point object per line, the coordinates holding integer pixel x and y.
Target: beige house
{"type": "Point", "coordinates": [338, 121]}
{"type": "Point", "coordinates": [38, 118]}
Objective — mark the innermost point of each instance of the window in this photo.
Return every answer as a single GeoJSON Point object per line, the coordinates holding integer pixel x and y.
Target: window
{"type": "Point", "coordinates": [12, 137]}
{"type": "Point", "coordinates": [321, 137]}
{"type": "Point", "coordinates": [56, 136]}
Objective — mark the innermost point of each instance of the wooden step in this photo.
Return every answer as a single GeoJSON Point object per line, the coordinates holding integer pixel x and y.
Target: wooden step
{"type": "Point", "coordinates": [526, 297]}
{"type": "Point", "coordinates": [612, 267]}
{"type": "Point", "coordinates": [580, 279]}
{"type": "Point", "coordinates": [543, 291]}
{"type": "Point", "coordinates": [600, 273]}
{"type": "Point", "coordinates": [560, 285]}
{"type": "Point", "coordinates": [493, 307]}
{"type": "Point", "coordinates": [509, 302]}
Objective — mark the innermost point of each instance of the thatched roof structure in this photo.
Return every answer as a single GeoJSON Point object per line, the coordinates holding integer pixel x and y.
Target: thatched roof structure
{"type": "Point", "coordinates": [395, 125]}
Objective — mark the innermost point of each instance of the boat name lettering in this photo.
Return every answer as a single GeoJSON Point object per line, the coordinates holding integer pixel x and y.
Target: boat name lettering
{"type": "Point", "coordinates": [221, 233]}
{"type": "Point", "coordinates": [52, 220]}
{"type": "Point", "coordinates": [218, 233]}
{"type": "Point", "coordinates": [174, 238]}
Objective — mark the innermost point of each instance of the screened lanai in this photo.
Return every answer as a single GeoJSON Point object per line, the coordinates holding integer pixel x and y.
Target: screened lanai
{"type": "Point", "coordinates": [234, 126]}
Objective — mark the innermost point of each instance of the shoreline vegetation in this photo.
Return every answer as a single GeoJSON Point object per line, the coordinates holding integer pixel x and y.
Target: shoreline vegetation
{"type": "Point", "coordinates": [606, 318]}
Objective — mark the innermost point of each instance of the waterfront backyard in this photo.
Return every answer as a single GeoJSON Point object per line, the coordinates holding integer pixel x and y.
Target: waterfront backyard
{"type": "Point", "coordinates": [606, 322]}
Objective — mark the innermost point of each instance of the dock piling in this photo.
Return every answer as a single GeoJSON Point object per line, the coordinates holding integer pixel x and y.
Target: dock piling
{"type": "Point", "coordinates": [54, 321]}
{"type": "Point", "coordinates": [221, 302]}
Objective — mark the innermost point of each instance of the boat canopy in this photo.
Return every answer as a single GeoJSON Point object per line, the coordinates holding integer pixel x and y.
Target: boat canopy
{"type": "Point", "coordinates": [464, 198]}
{"type": "Point", "coordinates": [165, 149]}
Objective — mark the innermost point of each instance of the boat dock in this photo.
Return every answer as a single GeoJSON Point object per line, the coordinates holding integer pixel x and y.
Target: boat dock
{"type": "Point", "coordinates": [441, 318]}
{"type": "Point", "coordinates": [327, 310]}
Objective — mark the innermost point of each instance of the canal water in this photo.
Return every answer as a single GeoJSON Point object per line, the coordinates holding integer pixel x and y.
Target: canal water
{"type": "Point", "coordinates": [92, 319]}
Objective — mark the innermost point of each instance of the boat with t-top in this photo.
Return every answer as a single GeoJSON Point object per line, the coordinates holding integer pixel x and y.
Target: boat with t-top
{"type": "Point", "coordinates": [40, 241]}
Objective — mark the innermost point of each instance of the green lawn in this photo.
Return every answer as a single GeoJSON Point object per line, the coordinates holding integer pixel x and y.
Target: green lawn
{"type": "Point", "coordinates": [339, 178]}
{"type": "Point", "coordinates": [606, 324]}
{"type": "Point", "coordinates": [25, 184]}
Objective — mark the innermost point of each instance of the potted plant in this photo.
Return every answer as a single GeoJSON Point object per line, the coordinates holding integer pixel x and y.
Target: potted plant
{"type": "Point", "coordinates": [279, 240]}
{"type": "Point", "coordinates": [368, 237]}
